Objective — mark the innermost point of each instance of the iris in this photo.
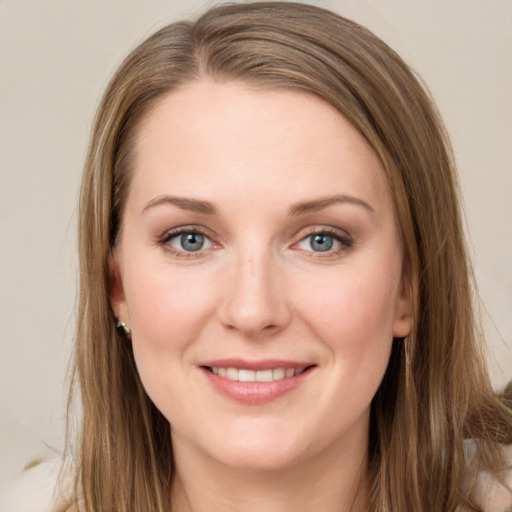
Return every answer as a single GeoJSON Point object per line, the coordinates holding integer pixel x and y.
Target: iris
{"type": "Point", "coordinates": [192, 241]}
{"type": "Point", "coordinates": [321, 242]}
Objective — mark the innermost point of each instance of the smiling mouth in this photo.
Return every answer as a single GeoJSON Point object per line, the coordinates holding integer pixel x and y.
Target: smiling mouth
{"type": "Point", "coordinates": [245, 375]}
{"type": "Point", "coordinates": [256, 382]}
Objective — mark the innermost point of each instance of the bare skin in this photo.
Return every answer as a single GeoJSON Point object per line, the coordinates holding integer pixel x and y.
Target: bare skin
{"type": "Point", "coordinates": [306, 486]}
{"type": "Point", "coordinates": [259, 236]}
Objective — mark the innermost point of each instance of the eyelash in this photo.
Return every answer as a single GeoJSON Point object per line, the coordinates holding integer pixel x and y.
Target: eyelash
{"type": "Point", "coordinates": [165, 240]}
{"type": "Point", "coordinates": [345, 242]}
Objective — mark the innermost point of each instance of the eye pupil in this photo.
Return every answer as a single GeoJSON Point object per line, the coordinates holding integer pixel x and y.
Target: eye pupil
{"type": "Point", "coordinates": [321, 243]}
{"type": "Point", "coordinates": [192, 241]}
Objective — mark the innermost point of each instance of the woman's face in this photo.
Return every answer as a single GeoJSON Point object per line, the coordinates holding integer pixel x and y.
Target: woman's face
{"type": "Point", "coordinates": [260, 270]}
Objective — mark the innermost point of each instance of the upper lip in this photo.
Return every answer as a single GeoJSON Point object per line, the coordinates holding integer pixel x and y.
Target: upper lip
{"type": "Point", "coordinates": [263, 364]}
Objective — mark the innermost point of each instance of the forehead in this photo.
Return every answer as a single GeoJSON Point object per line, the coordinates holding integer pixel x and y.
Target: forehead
{"type": "Point", "coordinates": [239, 141]}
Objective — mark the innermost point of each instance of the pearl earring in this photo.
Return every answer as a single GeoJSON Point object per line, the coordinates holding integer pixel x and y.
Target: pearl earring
{"type": "Point", "coordinates": [122, 325]}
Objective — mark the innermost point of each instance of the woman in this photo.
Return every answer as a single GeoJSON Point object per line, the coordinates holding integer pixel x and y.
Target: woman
{"type": "Point", "coordinates": [275, 298]}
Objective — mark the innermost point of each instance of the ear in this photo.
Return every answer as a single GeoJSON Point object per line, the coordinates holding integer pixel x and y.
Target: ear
{"type": "Point", "coordinates": [117, 298]}
{"type": "Point", "coordinates": [402, 323]}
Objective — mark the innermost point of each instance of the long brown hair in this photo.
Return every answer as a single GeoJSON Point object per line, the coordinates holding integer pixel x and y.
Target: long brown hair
{"type": "Point", "coordinates": [436, 392]}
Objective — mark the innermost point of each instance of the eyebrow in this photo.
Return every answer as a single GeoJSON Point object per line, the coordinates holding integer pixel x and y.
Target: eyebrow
{"type": "Point", "coordinates": [323, 202]}
{"type": "Point", "coordinates": [184, 203]}
{"type": "Point", "coordinates": [207, 208]}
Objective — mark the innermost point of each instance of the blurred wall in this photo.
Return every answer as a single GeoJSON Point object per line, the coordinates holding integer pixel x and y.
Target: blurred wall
{"type": "Point", "coordinates": [55, 59]}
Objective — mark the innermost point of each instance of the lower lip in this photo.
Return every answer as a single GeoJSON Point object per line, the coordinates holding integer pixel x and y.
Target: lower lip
{"type": "Point", "coordinates": [255, 393]}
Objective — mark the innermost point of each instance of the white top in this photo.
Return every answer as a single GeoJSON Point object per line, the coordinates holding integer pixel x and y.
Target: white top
{"type": "Point", "coordinates": [493, 496]}
{"type": "Point", "coordinates": [35, 490]}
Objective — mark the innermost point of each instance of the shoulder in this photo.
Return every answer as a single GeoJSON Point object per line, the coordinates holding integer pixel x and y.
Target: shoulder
{"type": "Point", "coordinates": [35, 490]}
{"type": "Point", "coordinates": [494, 495]}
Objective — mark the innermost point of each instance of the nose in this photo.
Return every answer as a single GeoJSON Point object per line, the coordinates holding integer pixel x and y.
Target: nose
{"type": "Point", "coordinates": [255, 302]}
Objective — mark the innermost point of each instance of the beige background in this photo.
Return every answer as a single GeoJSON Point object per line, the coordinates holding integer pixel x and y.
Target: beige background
{"type": "Point", "coordinates": [55, 58]}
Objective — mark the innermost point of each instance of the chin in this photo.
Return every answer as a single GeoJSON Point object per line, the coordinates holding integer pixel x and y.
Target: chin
{"type": "Point", "coordinates": [259, 460]}
{"type": "Point", "coordinates": [261, 452]}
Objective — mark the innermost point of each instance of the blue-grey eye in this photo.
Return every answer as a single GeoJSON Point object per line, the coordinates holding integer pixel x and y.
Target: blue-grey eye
{"type": "Point", "coordinates": [190, 242]}
{"type": "Point", "coordinates": [324, 242]}
{"type": "Point", "coordinates": [321, 242]}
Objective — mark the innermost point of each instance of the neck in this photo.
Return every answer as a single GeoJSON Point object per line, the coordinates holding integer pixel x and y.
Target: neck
{"type": "Point", "coordinates": [332, 481]}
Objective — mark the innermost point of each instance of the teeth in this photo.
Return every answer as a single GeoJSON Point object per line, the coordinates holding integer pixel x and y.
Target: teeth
{"type": "Point", "coordinates": [232, 373]}
{"type": "Point", "coordinates": [243, 375]}
{"type": "Point", "coordinates": [264, 376]}
{"type": "Point", "coordinates": [278, 374]}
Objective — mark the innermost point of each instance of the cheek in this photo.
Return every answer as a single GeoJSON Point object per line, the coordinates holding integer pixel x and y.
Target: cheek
{"type": "Point", "coordinates": [167, 312]}
{"type": "Point", "coordinates": [354, 305]}
{"type": "Point", "coordinates": [165, 303]}
{"type": "Point", "coordinates": [354, 318]}
{"type": "Point", "coordinates": [352, 314]}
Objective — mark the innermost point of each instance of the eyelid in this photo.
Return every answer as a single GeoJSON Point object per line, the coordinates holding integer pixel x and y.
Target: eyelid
{"type": "Point", "coordinates": [341, 236]}
{"type": "Point", "coordinates": [178, 238]}
{"type": "Point", "coordinates": [165, 239]}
